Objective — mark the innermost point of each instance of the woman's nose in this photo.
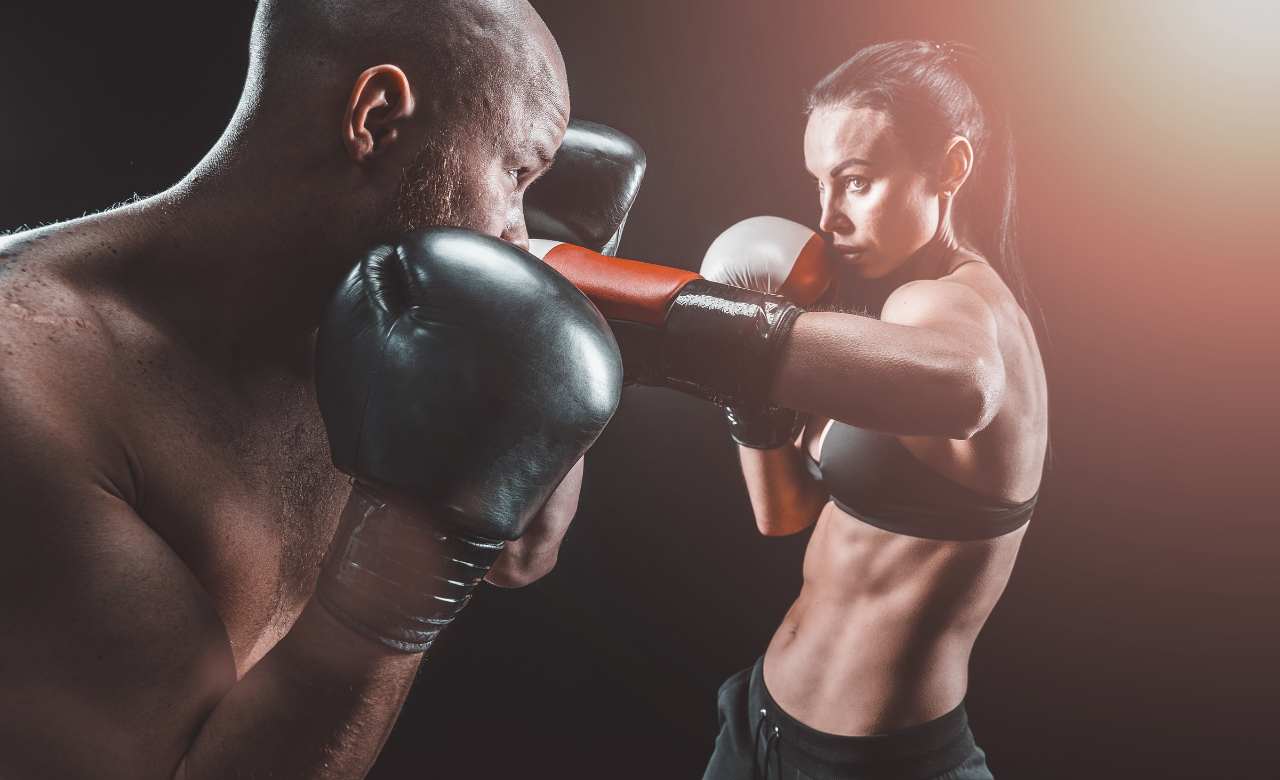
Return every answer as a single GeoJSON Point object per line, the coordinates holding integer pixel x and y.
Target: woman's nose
{"type": "Point", "coordinates": [833, 219]}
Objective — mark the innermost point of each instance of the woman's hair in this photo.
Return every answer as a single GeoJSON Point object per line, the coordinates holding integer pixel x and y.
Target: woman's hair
{"type": "Point", "coordinates": [931, 92]}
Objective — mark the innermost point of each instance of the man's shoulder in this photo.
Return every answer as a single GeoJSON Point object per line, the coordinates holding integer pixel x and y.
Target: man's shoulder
{"type": "Point", "coordinates": [56, 353]}
{"type": "Point", "coordinates": [46, 318]}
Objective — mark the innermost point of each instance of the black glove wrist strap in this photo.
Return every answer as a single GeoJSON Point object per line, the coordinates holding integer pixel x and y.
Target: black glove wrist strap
{"type": "Point", "coordinates": [724, 343]}
{"type": "Point", "coordinates": [763, 428]}
{"type": "Point", "coordinates": [395, 576]}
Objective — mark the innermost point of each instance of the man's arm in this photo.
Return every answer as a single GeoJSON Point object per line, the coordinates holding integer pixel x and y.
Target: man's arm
{"type": "Point", "coordinates": [533, 556]}
{"type": "Point", "coordinates": [115, 663]}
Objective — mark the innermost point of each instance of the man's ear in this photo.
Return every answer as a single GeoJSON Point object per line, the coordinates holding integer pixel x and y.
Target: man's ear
{"type": "Point", "coordinates": [380, 102]}
{"type": "Point", "coordinates": [957, 164]}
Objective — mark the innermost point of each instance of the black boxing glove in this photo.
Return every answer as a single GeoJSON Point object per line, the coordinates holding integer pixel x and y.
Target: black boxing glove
{"type": "Point", "coordinates": [585, 197]}
{"type": "Point", "coordinates": [460, 379]}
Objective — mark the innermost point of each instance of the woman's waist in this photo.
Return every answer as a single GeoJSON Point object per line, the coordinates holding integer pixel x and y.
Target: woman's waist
{"type": "Point", "coordinates": [926, 748]}
{"type": "Point", "coordinates": [866, 668]}
{"type": "Point", "coordinates": [863, 579]}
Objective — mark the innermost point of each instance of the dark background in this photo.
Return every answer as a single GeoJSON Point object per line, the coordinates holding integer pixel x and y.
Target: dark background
{"type": "Point", "coordinates": [1138, 637]}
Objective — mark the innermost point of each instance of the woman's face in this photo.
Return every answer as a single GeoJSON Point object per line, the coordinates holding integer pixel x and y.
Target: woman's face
{"type": "Point", "coordinates": [877, 205]}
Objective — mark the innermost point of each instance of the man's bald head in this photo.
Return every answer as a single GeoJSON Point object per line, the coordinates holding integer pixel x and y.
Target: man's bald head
{"type": "Point", "coordinates": [463, 57]}
{"type": "Point", "coordinates": [405, 112]}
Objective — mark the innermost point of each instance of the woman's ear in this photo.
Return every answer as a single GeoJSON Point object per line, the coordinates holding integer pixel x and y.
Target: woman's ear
{"type": "Point", "coordinates": [957, 164]}
{"type": "Point", "coordinates": [380, 103]}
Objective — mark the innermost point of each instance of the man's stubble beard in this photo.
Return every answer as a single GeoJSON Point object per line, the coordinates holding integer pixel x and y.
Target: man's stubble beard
{"type": "Point", "coordinates": [434, 190]}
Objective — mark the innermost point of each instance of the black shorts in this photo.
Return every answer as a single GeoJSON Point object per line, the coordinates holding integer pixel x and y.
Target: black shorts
{"type": "Point", "coordinates": [758, 740]}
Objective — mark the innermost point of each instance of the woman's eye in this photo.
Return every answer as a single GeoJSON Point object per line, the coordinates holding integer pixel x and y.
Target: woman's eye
{"type": "Point", "coordinates": [856, 184]}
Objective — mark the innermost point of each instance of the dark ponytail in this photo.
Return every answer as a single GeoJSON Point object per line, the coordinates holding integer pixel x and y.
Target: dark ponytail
{"type": "Point", "coordinates": [931, 92]}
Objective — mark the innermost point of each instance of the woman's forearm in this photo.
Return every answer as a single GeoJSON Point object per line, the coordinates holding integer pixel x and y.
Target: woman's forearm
{"type": "Point", "coordinates": [785, 497]}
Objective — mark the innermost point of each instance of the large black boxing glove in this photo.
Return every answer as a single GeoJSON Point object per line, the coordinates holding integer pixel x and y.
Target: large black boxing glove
{"type": "Point", "coordinates": [585, 197]}
{"type": "Point", "coordinates": [459, 379]}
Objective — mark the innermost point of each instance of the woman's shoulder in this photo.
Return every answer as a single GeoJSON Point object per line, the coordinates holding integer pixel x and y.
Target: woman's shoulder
{"type": "Point", "coordinates": [956, 293]}
{"type": "Point", "coordinates": [971, 269]}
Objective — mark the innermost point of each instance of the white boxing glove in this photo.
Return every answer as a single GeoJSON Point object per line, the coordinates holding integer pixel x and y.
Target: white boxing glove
{"type": "Point", "coordinates": [771, 254]}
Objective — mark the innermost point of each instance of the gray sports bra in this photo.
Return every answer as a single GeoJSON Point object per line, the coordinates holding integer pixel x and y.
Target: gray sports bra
{"type": "Point", "coordinates": [871, 476]}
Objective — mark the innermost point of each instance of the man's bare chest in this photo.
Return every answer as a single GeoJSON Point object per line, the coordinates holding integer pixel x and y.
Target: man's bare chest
{"type": "Point", "coordinates": [239, 483]}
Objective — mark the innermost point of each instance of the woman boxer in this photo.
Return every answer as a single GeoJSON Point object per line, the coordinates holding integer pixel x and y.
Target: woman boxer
{"type": "Point", "coordinates": [919, 458]}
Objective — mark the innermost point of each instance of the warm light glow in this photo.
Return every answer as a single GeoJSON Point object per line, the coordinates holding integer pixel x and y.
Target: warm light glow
{"type": "Point", "coordinates": [1214, 66]}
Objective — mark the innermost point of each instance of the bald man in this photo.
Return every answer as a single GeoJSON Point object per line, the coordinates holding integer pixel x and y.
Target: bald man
{"type": "Point", "coordinates": [166, 486]}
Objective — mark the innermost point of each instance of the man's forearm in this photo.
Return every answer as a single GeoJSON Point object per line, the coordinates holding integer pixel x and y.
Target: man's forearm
{"type": "Point", "coordinates": [534, 555]}
{"type": "Point", "coordinates": [318, 706]}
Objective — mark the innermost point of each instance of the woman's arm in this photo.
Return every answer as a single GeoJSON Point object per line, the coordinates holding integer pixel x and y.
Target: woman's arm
{"type": "Point", "coordinates": [785, 497]}
{"type": "Point", "coordinates": [931, 366]}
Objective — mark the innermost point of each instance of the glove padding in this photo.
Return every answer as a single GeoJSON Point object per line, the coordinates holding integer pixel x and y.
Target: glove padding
{"type": "Point", "coordinates": [585, 197]}
{"type": "Point", "coordinates": [460, 371]}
